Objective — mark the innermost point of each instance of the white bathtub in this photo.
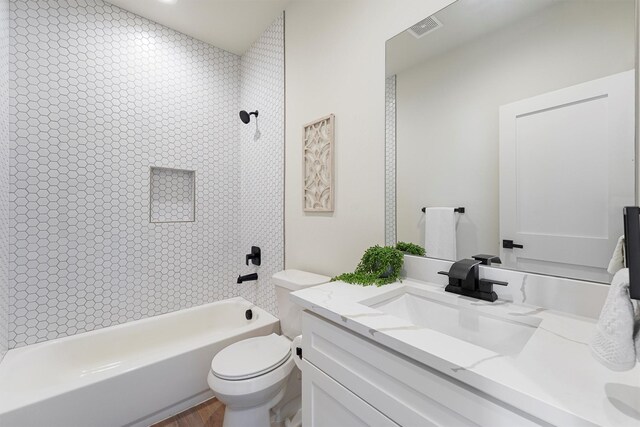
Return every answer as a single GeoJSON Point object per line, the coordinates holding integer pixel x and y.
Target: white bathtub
{"type": "Point", "coordinates": [134, 374]}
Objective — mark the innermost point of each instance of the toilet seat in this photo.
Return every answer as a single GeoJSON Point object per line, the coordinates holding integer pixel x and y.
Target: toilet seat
{"type": "Point", "coordinates": [251, 358]}
{"type": "Point", "coordinates": [252, 391]}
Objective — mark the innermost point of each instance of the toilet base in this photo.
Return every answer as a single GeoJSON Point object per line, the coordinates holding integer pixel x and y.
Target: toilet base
{"type": "Point", "coordinates": [291, 402]}
{"type": "Point", "coordinates": [258, 416]}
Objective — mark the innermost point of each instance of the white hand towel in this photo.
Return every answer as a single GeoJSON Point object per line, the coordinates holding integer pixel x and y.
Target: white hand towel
{"type": "Point", "coordinates": [440, 233]}
{"type": "Point", "coordinates": [618, 260]}
{"type": "Point", "coordinates": [613, 344]}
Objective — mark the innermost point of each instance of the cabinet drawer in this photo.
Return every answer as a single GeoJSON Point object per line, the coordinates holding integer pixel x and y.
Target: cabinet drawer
{"type": "Point", "coordinates": [406, 391]}
{"type": "Point", "coordinates": [325, 403]}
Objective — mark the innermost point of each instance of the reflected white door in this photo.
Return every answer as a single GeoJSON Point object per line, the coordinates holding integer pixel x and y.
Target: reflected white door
{"type": "Point", "coordinates": [566, 172]}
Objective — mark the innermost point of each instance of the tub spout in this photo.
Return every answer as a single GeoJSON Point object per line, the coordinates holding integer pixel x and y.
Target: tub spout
{"type": "Point", "coordinates": [248, 277]}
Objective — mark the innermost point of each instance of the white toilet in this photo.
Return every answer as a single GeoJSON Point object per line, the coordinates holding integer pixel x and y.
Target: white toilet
{"type": "Point", "coordinates": [257, 375]}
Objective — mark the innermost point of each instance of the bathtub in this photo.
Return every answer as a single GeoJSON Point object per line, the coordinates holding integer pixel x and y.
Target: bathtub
{"type": "Point", "coordinates": [132, 374]}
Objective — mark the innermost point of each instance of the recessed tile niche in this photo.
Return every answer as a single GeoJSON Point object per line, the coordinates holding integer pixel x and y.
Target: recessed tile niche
{"type": "Point", "coordinates": [173, 195]}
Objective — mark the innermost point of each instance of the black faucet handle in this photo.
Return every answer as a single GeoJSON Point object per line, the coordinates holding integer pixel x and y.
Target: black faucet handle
{"type": "Point", "coordinates": [255, 256]}
{"type": "Point", "coordinates": [492, 282]}
{"type": "Point", "coordinates": [487, 259]}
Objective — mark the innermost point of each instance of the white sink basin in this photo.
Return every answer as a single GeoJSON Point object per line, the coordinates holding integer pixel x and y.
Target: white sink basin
{"type": "Point", "coordinates": [469, 321]}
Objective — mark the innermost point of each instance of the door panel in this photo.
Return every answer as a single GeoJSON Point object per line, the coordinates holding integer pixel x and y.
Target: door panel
{"type": "Point", "coordinates": [566, 171]}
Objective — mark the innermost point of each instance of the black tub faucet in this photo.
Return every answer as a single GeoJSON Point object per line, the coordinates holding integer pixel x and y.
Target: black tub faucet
{"type": "Point", "coordinates": [464, 278]}
{"type": "Point", "coordinates": [248, 277]}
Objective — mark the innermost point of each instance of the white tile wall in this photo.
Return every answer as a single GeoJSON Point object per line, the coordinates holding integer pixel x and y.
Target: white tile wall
{"type": "Point", "coordinates": [390, 161]}
{"type": "Point", "coordinates": [262, 161]}
{"type": "Point", "coordinates": [4, 177]}
{"type": "Point", "coordinates": [98, 95]}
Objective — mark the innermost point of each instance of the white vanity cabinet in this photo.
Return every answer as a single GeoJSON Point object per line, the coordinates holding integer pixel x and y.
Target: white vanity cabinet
{"type": "Point", "coordinates": [328, 404]}
{"type": "Point", "coordinates": [349, 380]}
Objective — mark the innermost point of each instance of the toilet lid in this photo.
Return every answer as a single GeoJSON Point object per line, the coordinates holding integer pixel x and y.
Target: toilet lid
{"type": "Point", "coordinates": [251, 357]}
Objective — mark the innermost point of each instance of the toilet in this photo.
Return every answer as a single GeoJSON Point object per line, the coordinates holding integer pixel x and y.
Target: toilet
{"type": "Point", "coordinates": [257, 378]}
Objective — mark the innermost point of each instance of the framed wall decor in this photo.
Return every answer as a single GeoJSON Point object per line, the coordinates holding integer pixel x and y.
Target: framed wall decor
{"type": "Point", "coordinates": [318, 191]}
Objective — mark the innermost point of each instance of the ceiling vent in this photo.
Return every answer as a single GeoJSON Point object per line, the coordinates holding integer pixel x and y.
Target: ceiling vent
{"type": "Point", "coordinates": [425, 27]}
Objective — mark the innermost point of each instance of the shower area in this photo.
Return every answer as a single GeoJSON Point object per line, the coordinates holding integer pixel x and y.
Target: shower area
{"type": "Point", "coordinates": [129, 187]}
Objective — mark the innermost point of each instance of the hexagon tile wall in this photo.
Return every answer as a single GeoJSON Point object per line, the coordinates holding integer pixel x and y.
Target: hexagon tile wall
{"type": "Point", "coordinates": [98, 95]}
{"type": "Point", "coordinates": [262, 161]}
{"type": "Point", "coordinates": [4, 177]}
{"type": "Point", "coordinates": [390, 161]}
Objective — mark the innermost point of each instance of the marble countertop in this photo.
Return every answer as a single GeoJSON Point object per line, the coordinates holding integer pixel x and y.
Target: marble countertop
{"type": "Point", "coordinates": [551, 376]}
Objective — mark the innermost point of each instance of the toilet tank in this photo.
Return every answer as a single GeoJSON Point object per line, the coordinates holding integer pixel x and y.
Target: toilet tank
{"type": "Point", "coordinates": [287, 281]}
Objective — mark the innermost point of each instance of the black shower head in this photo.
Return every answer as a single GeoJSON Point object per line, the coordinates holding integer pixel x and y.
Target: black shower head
{"type": "Point", "coordinates": [246, 117]}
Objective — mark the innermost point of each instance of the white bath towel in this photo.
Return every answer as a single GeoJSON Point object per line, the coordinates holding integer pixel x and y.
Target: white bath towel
{"type": "Point", "coordinates": [440, 233]}
{"type": "Point", "coordinates": [613, 344]}
{"type": "Point", "coordinates": [618, 260]}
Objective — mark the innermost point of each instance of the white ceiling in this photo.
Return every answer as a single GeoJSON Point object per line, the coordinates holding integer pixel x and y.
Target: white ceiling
{"type": "Point", "coordinates": [232, 25]}
{"type": "Point", "coordinates": [462, 21]}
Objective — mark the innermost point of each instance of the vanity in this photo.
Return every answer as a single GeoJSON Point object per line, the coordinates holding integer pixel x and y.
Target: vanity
{"type": "Point", "coordinates": [410, 354]}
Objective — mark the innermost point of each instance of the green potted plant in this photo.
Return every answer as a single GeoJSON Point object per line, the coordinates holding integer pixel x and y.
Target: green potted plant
{"type": "Point", "coordinates": [378, 266]}
{"type": "Point", "coordinates": [410, 248]}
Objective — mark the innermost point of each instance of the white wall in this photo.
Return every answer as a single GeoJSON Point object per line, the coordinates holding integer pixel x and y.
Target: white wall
{"type": "Point", "coordinates": [447, 109]}
{"type": "Point", "coordinates": [637, 64]}
{"type": "Point", "coordinates": [335, 62]}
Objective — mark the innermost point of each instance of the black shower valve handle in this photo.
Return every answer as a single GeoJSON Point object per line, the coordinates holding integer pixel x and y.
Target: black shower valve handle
{"type": "Point", "coordinates": [255, 256]}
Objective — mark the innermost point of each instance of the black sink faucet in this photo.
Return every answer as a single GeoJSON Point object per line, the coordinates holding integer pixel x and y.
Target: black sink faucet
{"type": "Point", "coordinates": [464, 278]}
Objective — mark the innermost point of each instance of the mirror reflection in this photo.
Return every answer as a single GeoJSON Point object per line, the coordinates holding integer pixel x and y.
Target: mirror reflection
{"type": "Point", "coordinates": [522, 112]}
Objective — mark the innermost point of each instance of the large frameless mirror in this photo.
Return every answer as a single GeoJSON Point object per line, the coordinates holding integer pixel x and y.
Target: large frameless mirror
{"type": "Point", "coordinates": [521, 112]}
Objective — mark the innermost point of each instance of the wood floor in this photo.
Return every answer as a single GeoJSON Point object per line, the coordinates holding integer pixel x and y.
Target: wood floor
{"type": "Point", "coordinates": [206, 414]}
